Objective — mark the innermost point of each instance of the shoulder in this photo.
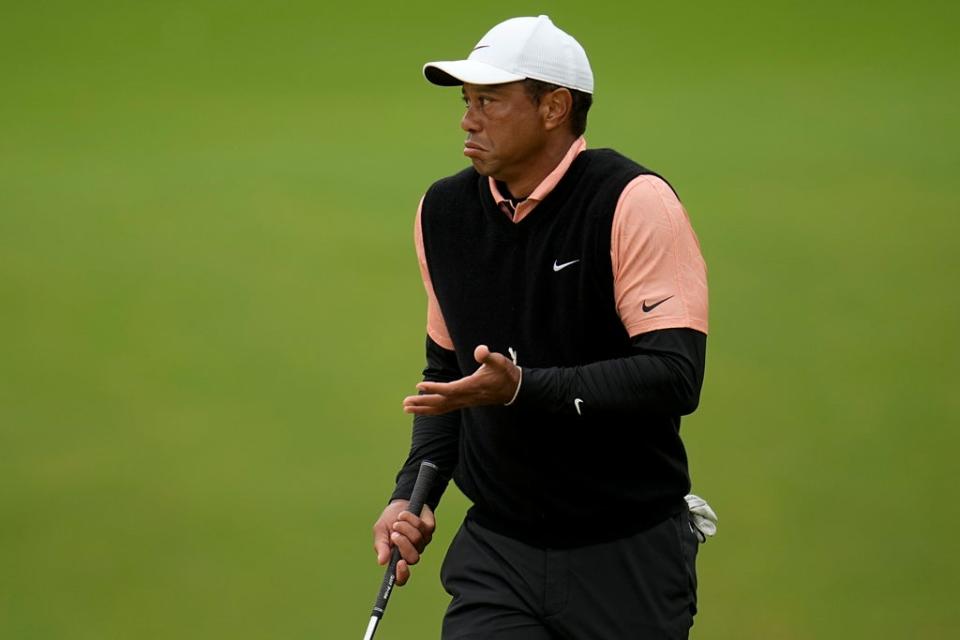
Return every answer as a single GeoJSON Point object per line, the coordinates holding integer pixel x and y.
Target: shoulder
{"type": "Point", "coordinates": [453, 185]}
{"type": "Point", "coordinates": [458, 193]}
{"type": "Point", "coordinates": [612, 165]}
{"type": "Point", "coordinates": [650, 190]}
{"type": "Point", "coordinates": [648, 207]}
{"type": "Point", "coordinates": [606, 161]}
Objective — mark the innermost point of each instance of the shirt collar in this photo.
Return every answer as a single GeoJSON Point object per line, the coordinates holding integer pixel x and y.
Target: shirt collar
{"type": "Point", "coordinates": [553, 178]}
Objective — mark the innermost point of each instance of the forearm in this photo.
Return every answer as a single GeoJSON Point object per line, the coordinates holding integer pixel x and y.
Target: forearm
{"type": "Point", "coordinates": [434, 438]}
{"type": "Point", "coordinates": [664, 376]}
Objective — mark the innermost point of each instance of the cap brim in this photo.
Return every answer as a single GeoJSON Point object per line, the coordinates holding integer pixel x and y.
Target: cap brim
{"type": "Point", "coordinates": [449, 73]}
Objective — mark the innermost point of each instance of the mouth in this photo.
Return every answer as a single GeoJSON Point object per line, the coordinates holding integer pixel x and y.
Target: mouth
{"type": "Point", "coordinates": [472, 149]}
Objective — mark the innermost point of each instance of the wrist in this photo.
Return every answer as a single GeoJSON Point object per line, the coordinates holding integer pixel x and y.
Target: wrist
{"type": "Point", "coordinates": [516, 391]}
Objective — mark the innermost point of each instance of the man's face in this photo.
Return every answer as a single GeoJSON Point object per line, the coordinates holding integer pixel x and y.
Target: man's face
{"type": "Point", "coordinates": [505, 129]}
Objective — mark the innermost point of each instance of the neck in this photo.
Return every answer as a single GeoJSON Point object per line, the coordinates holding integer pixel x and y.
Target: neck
{"type": "Point", "coordinates": [539, 167]}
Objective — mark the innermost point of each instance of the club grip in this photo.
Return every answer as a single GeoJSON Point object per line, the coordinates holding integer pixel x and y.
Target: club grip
{"type": "Point", "coordinates": [421, 489]}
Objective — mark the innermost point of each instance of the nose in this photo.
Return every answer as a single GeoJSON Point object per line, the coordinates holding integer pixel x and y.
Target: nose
{"type": "Point", "coordinates": [469, 121]}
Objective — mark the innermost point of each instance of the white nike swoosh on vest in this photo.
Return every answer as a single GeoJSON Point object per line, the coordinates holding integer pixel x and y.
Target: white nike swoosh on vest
{"type": "Point", "coordinates": [557, 267]}
{"type": "Point", "coordinates": [576, 403]}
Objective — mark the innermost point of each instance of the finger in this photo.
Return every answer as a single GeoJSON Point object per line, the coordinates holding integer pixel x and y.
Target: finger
{"type": "Point", "coordinates": [497, 361]}
{"type": "Point", "coordinates": [438, 388]}
{"type": "Point", "coordinates": [484, 356]}
{"type": "Point", "coordinates": [427, 400]}
{"type": "Point", "coordinates": [417, 529]}
{"type": "Point", "coordinates": [425, 524]}
{"type": "Point", "coordinates": [407, 551]}
{"type": "Point", "coordinates": [428, 519]}
{"type": "Point", "coordinates": [426, 411]}
{"type": "Point", "coordinates": [381, 543]}
{"type": "Point", "coordinates": [410, 518]}
{"type": "Point", "coordinates": [403, 573]}
{"type": "Point", "coordinates": [481, 353]}
{"type": "Point", "coordinates": [411, 533]}
{"type": "Point", "coordinates": [383, 553]}
{"type": "Point", "coordinates": [430, 405]}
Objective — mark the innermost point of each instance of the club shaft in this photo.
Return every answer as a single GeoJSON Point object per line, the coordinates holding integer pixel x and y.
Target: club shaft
{"type": "Point", "coordinates": [421, 489]}
{"type": "Point", "coordinates": [371, 628]}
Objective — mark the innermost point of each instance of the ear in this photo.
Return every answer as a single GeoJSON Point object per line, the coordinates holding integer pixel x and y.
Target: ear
{"type": "Point", "coordinates": [555, 108]}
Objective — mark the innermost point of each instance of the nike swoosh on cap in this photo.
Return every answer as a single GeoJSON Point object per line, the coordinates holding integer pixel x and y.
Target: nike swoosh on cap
{"type": "Point", "coordinates": [558, 267]}
{"type": "Point", "coordinates": [648, 309]}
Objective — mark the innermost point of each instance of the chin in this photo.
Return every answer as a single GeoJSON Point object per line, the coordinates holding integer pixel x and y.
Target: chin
{"type": "Point", "coordinates": [487, 168]}
{"type": "Point", "coordinates": [481, 168]}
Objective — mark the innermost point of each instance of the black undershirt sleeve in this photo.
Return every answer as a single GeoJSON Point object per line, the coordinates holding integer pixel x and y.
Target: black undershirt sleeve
{"type": "Point", "coordinates": [663, 377]}
{"type": "Point", "coordinates": [435, 438]}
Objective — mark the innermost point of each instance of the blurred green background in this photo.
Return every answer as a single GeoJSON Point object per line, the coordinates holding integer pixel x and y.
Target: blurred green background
{"type": "Point", "coordinates": [210, 305]}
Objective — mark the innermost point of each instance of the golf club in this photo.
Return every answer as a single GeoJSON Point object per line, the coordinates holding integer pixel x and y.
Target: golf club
{"type": "Point", "coordinates": [425, 478]}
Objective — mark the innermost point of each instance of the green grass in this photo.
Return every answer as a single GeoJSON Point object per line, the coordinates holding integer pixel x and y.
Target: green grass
{"type": "Point", "coordinates": [211, 308]}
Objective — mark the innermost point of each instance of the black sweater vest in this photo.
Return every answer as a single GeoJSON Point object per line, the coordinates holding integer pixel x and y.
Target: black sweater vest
{"type": "Point", "coordinates": [544, 287]}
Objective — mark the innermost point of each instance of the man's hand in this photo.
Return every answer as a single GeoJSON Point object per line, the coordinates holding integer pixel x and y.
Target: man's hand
{"type": "Point", "coordinates": [495, 382]}
{"type": "Point", "coordinates": [399, 528]}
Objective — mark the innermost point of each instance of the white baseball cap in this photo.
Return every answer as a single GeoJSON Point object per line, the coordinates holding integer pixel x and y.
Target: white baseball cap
{"type": "Point", "coordinates": [517, 49]}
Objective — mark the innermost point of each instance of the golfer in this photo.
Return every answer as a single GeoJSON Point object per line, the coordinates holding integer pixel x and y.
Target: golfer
{"type": "Point", "coordinates": [566, 335]}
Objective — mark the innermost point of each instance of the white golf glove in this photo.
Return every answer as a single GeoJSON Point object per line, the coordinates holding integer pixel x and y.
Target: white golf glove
{"type": "Point", "coordinates": [704, 520]}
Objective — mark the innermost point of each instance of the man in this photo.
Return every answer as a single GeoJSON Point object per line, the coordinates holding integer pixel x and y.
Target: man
{"type": "Point", "coordinates": [567, 320]}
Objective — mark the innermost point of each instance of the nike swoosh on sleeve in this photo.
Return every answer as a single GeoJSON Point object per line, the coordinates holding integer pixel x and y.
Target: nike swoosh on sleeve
{"type": "Point", "coordinates": [648, 309]}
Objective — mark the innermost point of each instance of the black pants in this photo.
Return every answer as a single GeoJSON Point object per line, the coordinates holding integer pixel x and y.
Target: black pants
{"type": "Point", "coordinates": [639, 587]}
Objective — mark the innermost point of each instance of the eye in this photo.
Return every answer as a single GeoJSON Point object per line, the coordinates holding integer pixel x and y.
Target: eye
{"type": "Point", "coordinates": [479, 101]}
